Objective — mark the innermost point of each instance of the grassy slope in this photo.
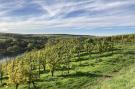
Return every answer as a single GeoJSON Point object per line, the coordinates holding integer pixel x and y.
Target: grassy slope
{"type": "Point", "coordinates": [106, 71]}
{"type": "Point", "coordinates": [125, 79]}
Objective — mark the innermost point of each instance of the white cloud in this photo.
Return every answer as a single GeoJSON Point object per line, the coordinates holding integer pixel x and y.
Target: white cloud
{"type": "Point", "coordinates": [99, 5]}
{"type": "Point", "coordinates": [3, 30]}
{"type": "Point", "coordinates": [99, 13]}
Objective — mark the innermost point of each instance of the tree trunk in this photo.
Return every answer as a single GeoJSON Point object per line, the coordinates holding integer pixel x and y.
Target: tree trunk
{"type": "Point", "coordinates": [34, 85]}
{"type": "Point", "coordinates": [17, 86]}
{"type": "Point", "coordinates": [29, 85]}
{"type": "Point", "coordinates": [44, 67]}
{"type": "Point", "coordinates": [68, 69]}
{"type": "Point", "coordinates": [39, 71]}
{"type": "Point", "coordinates": [52, 72]}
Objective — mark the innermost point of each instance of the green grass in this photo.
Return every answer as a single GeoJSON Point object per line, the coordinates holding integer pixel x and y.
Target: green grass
{"type": "Point", "coordinates": [125, 79]}
{"type": "Point", "coordinates": [105, 71]}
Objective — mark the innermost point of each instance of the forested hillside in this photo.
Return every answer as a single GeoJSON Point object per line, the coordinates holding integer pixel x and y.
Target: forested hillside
{"type": "Point", "coordinates": [73, 62]}
{"type": "Point", "coordinates": [14, 44]}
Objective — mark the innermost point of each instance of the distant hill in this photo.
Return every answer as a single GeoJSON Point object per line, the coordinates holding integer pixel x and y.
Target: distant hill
{"type": "Point", "coordinates": [41, 35]}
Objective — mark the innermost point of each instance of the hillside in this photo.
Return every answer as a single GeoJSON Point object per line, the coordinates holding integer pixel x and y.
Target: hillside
{"type": "Point", "coordinates": [74, 63]}
{"type": "Point", "coordinates": [14, 44]}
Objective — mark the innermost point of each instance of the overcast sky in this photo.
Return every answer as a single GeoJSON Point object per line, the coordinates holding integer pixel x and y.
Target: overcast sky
{"type": "Point", "coordinates": [91, 17]}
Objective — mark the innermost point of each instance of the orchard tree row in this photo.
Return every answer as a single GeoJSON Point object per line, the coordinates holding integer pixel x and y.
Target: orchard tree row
{"type": "Point", "coordinates": [56, 55]}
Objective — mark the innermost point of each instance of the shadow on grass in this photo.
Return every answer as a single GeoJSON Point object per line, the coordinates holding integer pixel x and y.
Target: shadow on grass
{"type": "Point", "coordinates": [84, 54]}
{"type": "Point", "coordinates": [106, 55]}
{"type": "Point", "coordinates": [129, 52]}
{"type": "Point", "coordinates": [47, 79]}
{"type": "Point", "coordinates": [81, 59]}
{"type": "Point", "coordinates": [84, 74]}
{"type": "Point", "coordinates": [44, 72]}
{"type": "Point", "coordinates": [109, 54]}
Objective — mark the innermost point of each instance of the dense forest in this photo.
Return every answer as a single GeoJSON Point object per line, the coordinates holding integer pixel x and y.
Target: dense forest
{"type": "Point", "coordinates": [64, 62]}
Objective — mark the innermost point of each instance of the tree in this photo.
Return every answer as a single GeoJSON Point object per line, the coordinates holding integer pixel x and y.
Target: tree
{"type": "Point", "coordinates": [89, 45]}
{"type": "Point", "coordinates": [53, 57]}
{"type": "Point", "coordinates": [31, 72]}
{"type": "Point", "coordinates": [67, 53]}
{"type": "Point", "coordinates": [42, 58]}
{"type": "Point", "coordinates": [78, 47]}
{"type": "Point", "coordinates": [16, 73]}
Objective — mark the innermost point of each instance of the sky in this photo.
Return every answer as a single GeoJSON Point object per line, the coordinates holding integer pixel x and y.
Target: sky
{"type": "Point", "coordinates": [84, 17]}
